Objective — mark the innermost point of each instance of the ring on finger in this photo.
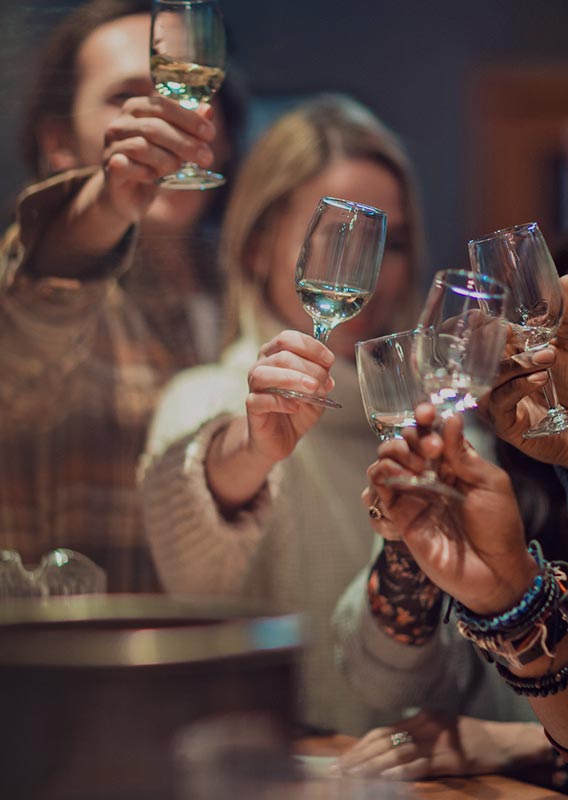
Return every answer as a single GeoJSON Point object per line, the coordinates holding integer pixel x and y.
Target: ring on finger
{"type": "Point", "coordinates": [401, 737]}
{"type": "Point", "coordinates": [376, 510]}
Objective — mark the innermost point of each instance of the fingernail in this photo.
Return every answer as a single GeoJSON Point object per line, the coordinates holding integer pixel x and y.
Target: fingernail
{"type": "Point", "coordinates": [328, 357]}
{"type": "Point", "coordinates": [310, 383]}
{"type": "Point", "coordinates": [545, 356]}
{"type": "Point", "coordinates": [537, 377]}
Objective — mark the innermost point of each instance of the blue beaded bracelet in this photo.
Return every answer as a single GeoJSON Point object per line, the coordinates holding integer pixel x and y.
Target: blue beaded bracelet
{"type": "Point", "coordinates": [540, 594]}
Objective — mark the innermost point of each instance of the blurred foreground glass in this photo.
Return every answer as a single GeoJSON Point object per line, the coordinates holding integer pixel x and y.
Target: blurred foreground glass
{"type": "Point", "coordinates": [242, 756]}
{"type": "Point", "coordinates": [187, 63]}
{"type": "Point", "coordinates": [60, 572]}
{"type": "Point", "coordinates": [389, 386]}
{"type": "Point", "coordinates": [519, 257]}
{"type": "Point", "coordinates": [337, 270]}
{"type": "Point", "coordinates": [458, 345]}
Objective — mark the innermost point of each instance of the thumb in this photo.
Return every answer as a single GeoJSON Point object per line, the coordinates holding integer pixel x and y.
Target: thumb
{"type": "Point", "coordinates": [463, 458]}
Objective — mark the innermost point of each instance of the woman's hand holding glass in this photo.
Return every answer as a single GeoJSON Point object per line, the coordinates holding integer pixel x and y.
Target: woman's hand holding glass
{"type": "Point", "coordinates": [519, 257]}
{"type": "Point", "coordinates": [242, 453]}
{"type": "Point", "coordinates": [517, 401]}
{"type": "Point", "coordinates": [475, 550]}
{"type": "Point", "coordinates": [291, 362]}
{"type": "Point", "coordinates": [456, 351]}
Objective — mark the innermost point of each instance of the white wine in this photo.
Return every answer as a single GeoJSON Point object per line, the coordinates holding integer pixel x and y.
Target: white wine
{"type": "Point", "coordinates": [330, 303]}
{"type": "Point", "coordinates": [189, 84]}
{"type": "Point", "coordinates": [391, 425]}
{"type": "Point", "coordinates": [454, 390]}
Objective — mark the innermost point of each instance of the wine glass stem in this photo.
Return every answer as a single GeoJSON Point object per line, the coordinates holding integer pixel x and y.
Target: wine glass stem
{"type": "Point", "coordinates": [321, 332]}
{"type": "Point", "coordinates": [549, 390]}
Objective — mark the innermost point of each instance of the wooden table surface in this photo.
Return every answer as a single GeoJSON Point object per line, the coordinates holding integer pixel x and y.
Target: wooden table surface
{"type": "Point", "coordinates": [479, 787]}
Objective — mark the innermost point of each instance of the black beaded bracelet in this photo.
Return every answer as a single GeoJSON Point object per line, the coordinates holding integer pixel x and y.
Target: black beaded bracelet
{"type": "Point", "coordinates": [544, 685]}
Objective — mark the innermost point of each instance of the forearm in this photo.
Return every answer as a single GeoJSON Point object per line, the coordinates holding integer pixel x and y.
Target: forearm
{"type": "Point", "coordinates": [86, 228]}
{"type": "Point", "coordinates": [403, 600]}
{"type": "Point", "coordinates": [235, 472]}
{"type": "Point", "coordinates": [388, 674]}
{"type": "Point", "coordinates": [196, 548]}
{"type": "Point", "coordinates": [551, 710]}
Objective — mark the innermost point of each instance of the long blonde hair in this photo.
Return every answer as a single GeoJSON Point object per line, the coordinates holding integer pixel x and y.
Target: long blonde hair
{"type": "Point", "coordinates": [299, 146]}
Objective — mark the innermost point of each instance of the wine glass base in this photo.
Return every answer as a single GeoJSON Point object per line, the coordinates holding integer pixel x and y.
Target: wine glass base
{"type": "Point", "coordinates": [192, 178]}
{"type": "Point", "coordinates": [555, 421]}
{"type": "Point", "coordinates": [421, 484]}
{"type": "Point", "coordinates": [314, 399]}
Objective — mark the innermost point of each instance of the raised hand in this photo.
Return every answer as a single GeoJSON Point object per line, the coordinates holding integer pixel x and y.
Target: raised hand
{"type": "Point", "coordinates": [474, 550]}
{"type": "Point", "coordinates": [517, 401]}
{"type": "Point", "coordinates": [291, 360]}
{"type": "Point", "coordinates": [151, 138]}
{"type": "Point", "coordinates": [242, 454]}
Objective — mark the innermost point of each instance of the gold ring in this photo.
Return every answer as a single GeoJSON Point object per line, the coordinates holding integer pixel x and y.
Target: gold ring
{"type": "Point", "coordinates": [376, 509]}
{"type": "Point", "coordinates": [401, 737]}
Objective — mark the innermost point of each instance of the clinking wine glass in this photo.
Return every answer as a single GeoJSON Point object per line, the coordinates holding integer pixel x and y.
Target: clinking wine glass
{"type": "Point", "coordinates": [187, 64]}
{"type": "Point", "coordinates": [337, 270]}
{"type": "Point", "coordinates": [389, 386]}
{"type": "Point", "coordinates": [457, 348]}
{"type": "Point", "coordinates": [519, 257]}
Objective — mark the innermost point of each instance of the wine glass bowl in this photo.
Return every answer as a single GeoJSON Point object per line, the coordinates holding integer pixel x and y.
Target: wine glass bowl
{"type": "Point", "coordinates": [389, 386]}
{"type": "Point", "coordinates": [519, 257]}
{"type": "Point", "coordinates": [337, 270]}
{"type": "Point", "coordinates": [456, 353]}
{"type": "Point", "coordinates": [187, 64]}
{"type": "Point", "coordinates": [460, 339]}
{"type": "Point", "coordinates": [339, 262]}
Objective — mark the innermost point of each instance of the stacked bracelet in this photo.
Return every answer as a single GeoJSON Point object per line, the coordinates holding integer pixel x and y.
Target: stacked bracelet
{"type": "Point", "coordinates": [551, 683]}
{"type": "Point", "coordinates": [528, 630]}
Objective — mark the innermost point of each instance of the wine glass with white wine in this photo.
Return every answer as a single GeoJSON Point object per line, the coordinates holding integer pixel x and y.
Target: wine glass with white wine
{"type": "Point", "coordinates": [187, 63]}
{"type": "Point", "coordinates": [337, 270]}
{"type": "Point", "coordinates": [519, 257]}
{"type": "Point", "coordinates": [457, 348]}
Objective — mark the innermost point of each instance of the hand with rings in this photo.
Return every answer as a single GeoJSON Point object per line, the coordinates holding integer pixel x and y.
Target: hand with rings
{"type": "Point", "coordinates": [432, 744]}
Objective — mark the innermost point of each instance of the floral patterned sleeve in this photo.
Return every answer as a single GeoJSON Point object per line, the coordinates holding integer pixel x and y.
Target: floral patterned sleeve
{"type": "Point", "coordinates": [403, 600]}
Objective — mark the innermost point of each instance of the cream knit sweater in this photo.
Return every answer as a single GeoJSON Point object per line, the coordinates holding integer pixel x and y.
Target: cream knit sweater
{"type": "Point", "coordinates": [302, 541]}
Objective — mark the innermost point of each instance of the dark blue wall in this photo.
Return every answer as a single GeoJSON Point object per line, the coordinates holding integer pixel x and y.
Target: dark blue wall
{"type": "Point", "coordinates": [410, 60]}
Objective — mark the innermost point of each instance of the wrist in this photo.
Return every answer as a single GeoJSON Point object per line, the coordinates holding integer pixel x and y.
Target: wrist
{"type": "Point", "coordinates": [235, 472]}
{"type": "Point", "coordinates": [508, 591]}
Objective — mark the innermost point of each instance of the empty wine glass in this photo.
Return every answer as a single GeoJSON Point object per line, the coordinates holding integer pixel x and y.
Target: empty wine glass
{"type": "Point", "coordinates": [389, 386]}
{"type": "Point", "coordinates": [519, 258]}
{"type": "Point", "coordinates": [337, 270]}
{"type": "Point", "coordinates": [60, 572]}
{"type": "Point", "coordinates": [457, 348]}
{"type": "Point", "coordinates": [187, 63]}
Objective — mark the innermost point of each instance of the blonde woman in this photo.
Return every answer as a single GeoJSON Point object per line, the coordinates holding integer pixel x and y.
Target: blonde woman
{"type": "Point", "coordinates": [247, 494]}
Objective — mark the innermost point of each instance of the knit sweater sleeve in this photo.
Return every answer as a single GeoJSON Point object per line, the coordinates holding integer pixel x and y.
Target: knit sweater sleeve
{"type": "Point", "coordinates": [391, 676]}
{"type": "Point", "coordinates": [196, 548]}
{"type": "Point", "coordinates": [47, 323]}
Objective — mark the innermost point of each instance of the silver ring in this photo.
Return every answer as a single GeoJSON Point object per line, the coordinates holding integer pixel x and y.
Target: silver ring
{"type": "Point", "coordinates": [376, 509]}
{"type": "Point", "coordinates": [401, 737]}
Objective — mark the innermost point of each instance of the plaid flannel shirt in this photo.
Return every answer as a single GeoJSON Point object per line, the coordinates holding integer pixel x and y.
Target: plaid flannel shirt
{"type": "Point", "coordinates": [82, 364]}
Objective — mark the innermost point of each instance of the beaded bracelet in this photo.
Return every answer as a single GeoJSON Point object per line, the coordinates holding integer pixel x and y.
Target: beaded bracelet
{"type": "Point", "coordinates": [544, 685]}
{"type": "Point", "coordinates": [539, 596]}
{"type": "Point", "coordinates": [540, 639]}
{"type": "Point", "coordinates": [531, 628]}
